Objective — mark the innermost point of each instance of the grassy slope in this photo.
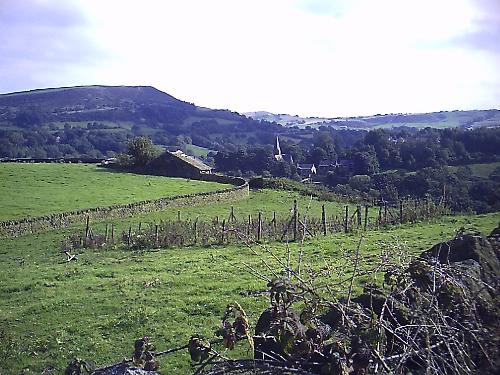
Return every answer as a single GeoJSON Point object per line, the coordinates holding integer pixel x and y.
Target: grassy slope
{"type": "Point", "coordinates": [480, 169]}
{"type": "Point", "coordinates": [197, 150]}
{"type": "Point", "coordinates": [39, 189]}
{"type": "Point", "coordinates": [51, 310]}
{"type": "Point", "coordinates": [483, 170]}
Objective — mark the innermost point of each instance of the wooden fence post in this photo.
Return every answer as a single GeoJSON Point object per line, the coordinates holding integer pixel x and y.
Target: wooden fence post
{"type": "Point", "coordinates": [400, 212]}
{"type": "Point", "coordinates": [112, 233]}
{"type": "Point", "coordinates": [249, 225]}
{"type": "Point", "coordinates": [87, 228]}
{"type": "Point", "coordinates": [156, 235]}
{"type": "Point", "coordinates": [129, 238]}
{"type": "Point", "coordinates": [323, 219]}
{"type": "Point", "coordinates": [259, 227]}
{"type": "Point", "coordinates": [379, 221]}
{"type": "Point", "coordinates": [179, 215]}
{"type": "Point", "coordinates": [195, 230]}
{"type": "Point", "coordinates": [295, 220]}
{"type": "Point", "coordinates": [346, 226]}
{"type": "Point", "coordinates": [385, 213]}
{"type": "Point", "coordinates": [223, 230]}
{"type": "Point", "coordinates": [106, 234]}
{"type": "Point", "coordinates": [358, 215]}
{"type": "Point", "coordinates": [366, 217]}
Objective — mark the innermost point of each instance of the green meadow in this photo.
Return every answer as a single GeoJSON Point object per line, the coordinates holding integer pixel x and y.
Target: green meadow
{"type": "Point", "coordinates": [52, 310]}
{"type": "Point", "coordinates": [29, 189]}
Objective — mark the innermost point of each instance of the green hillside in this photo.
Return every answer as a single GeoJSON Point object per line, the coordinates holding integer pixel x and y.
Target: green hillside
{"type": "Point", "coordinates": [28, 190]}
{"type": "Point", "coordinates": [95, 307]}
{"type": "Point", "coordinates": [97, 120]}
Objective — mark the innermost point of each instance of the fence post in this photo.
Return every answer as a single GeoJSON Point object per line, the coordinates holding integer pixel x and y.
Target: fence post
{"type": "Point", "coordinates": [139, 227]}
{"type": "Point", "coordinates": [295, 220]}
{"type": "Point", "coordinates": [259, 227]}
{"type": "Point", "coordinates": [323, 219]}
{"type": "Point", "coordinates": [346, 226]}
{"type": "Point", "coordinates": [87, 228]}
{"type": "Point", "coordinates": [249, 225]}
{"type": "Point", "coordinates": [156, 235]}
{"type": "Point", "coordinates": [223, 230]}
{"type": "Point", "coordinates": [385, 213]}
{"type": "Point", "coordinates": [379, 221]}
{"type": "Point", "coordinates": [129, 238]}
{"type": "Point", "coordinates": [366, 217]}
{"type": "Point", "coordinates": [400, 212]}
{"type": "Point", "coordinates": [195, 230]}
{"type": "Point", "coordinates": [113, 233]}
{"type": "Point", "coordinates": [179, 215]}
{"type": "Point", "coordinates": [106, 234]}
{"type": "Point", "coordinates": [358, 215]}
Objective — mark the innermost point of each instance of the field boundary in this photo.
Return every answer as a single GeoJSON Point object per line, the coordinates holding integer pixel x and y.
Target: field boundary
{"type": "Point", "coordinates": [258, 228]}
{"type": "Point", "coordinates": [19, 227]}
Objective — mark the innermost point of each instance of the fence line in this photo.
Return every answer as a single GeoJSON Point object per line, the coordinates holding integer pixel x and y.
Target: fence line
{"type": "Point", "coordinates": [260, 228]}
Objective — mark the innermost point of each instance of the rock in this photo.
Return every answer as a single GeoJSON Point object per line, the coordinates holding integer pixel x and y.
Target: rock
{"type": "Point", "coordinates": [123, 369]}
{"type": "Point", "coordinates": [484, 250]}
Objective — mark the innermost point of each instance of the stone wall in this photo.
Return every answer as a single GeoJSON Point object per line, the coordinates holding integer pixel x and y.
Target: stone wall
{"type": "Point", "coordinates": [14, 228]}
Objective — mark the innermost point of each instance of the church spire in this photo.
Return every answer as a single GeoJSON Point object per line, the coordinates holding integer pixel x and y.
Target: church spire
{"type": "Point", "coordinates": [277, 150]}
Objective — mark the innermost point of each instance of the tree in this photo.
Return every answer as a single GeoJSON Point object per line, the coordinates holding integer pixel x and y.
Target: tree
{"type": "Point", "coordinates": [142, 151]}
{"type": "Point", "coordinates": [325, 141]}
{"type": "Point", "coordinates": [365, 162]}
{"type": "Point", "coordinates": [318, 154]}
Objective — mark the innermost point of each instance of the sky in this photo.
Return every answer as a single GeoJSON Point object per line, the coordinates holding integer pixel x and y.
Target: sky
{"type": "Point", "coordinates": [308, 57]}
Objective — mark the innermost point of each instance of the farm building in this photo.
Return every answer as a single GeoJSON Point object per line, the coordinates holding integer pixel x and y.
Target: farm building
{"type": "Point", "coordinates": [178, 164]}
{"type": "Point", "coordinates": [326, 166]}
{"type": "Point", "coordinates": [306, 170]}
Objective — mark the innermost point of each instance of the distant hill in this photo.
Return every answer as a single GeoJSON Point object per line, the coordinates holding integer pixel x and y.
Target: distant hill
{"type": "Point", "coordinates": [105, 116]}
{"type": "Point", "coordinates": [451, 119]}
{"type": "Point", "coordinates": [97, 121]}
{"type": "Point", "coordinates": [140, 104]}
{"type": "Point", "coordinates": [286, 120]}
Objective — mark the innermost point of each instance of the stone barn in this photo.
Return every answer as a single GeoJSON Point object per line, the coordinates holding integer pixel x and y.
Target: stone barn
{"type": "Point", "coordinates": [178, 164]}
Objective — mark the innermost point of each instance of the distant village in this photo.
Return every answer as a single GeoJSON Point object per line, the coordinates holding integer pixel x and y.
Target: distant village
{"type": "Point", "coordinates": [310, 172]}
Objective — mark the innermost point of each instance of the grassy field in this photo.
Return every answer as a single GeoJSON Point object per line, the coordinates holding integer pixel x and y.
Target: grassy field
{"type": "Point", "coordinates": [52, 310]}
{"type": "Point", "coordinates": [480, 169]}
{"type": "Point", "coordinates": [483, 170]}
{"type": "Point", "coordinates": [39, 189]}
{"type": "Point", "coordinates": [197, 150]}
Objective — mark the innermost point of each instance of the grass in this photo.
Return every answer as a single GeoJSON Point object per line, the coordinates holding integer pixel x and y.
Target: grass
{"type": "Point", "coordinates": [39, 189]}
{"type": "Point", "coordinates": [94, 308]}
{"type": "Point", "coordinates": [483, 169]}
{"type": "Point", "coordinates": [480, 169]}
{"type": "Point", "coordinates": [197, 150]}
{"type": "Point", "coordinates": [266, 201]}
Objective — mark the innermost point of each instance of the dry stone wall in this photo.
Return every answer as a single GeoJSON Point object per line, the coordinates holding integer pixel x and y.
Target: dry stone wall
{"type": "Point", "coordinates": [14, 228]}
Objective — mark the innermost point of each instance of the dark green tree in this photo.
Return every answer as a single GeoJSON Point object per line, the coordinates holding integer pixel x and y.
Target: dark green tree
{"type": "Point", "coordinates": [142, 151]}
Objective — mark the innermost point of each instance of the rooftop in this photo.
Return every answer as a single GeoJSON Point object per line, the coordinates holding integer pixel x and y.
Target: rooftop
{"type": "Point", "coordinates": [191, 160]}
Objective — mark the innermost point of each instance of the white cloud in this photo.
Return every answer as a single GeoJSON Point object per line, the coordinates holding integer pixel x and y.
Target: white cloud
{"type": "Point", "coordinates": [312, 57]}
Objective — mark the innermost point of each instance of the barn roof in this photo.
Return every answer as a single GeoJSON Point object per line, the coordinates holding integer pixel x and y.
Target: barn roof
{"type": "Point", "coordinates": [191, 160]}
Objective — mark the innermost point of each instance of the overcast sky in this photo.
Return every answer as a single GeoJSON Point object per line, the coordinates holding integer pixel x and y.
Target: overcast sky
{"type": "Point", "coordinates": [307, 57]}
